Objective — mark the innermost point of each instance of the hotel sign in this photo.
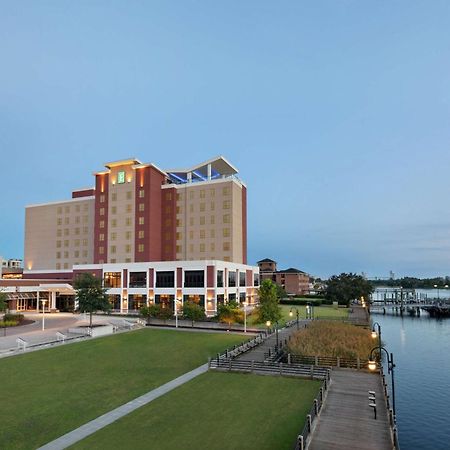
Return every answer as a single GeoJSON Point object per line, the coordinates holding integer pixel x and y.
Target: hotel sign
{"type": "Point", "coordinates": [121, 177]}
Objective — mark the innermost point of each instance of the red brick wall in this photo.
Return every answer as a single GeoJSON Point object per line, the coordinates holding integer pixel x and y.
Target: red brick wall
{"type": "Point", "coordinates": [83, 193]}
{"type": "Point", "coordinates": [210, 276]}
{"type": "Point", "coordinates": [101, 188]}
{"type": "Point", "coordinates": [244, 225]}
{"type": "Point", "coordinates": [169, 223]}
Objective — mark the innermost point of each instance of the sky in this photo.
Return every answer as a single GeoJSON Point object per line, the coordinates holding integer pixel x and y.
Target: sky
{"type": "Point", "coordinates": [336, 114]}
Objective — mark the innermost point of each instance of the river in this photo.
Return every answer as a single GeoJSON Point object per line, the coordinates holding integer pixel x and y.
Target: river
{"type": "Point", "coordinates": [421, 348]}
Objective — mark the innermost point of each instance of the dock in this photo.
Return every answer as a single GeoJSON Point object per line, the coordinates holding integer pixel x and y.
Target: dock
{"type": "Point", "coordinates": [347, 421]}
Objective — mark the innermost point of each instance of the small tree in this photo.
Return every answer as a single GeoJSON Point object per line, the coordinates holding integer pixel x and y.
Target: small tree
{"type": "Point", "coordinates": [346, 287]}
{"type": "Point", "coordinates": [268, 308]}
{"type": "Point", "coordinates": [193, 311]}
{"type": "Point", "coordinates": [150, 311]}
{"type": "Point", "coordinates": [90, 294]}
{"type": "Point", "coordinates": [165, 313]}
{"type": "Point", "coordinates": [3, 301]}
{"type": "Point", "coordinates": [228, 313]}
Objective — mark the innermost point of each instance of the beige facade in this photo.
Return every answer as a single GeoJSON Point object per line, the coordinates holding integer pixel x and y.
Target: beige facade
{"type": "Point", "coordinates": [209, 220]}
{"type": "Point", "coordinates": [59, 235]}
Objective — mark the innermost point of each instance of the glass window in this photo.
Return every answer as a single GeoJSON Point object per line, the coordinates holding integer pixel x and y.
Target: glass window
{"type": "Point", "coordinates": [220, 278]}
{"type": "Point", "coordinates": [231, 279]}
{"type": "Point", "coordinates": [165, 279]}
{"type": "Point", "coordinates": [256, 279]}
{"type": "Point", "coordinates": [242, 279]}
{"type": "Point", "coordinates": [112, 279]}
{"type": "Point", "coordinates": [194, 278]}
{"type": "Point", "coordinates": [138, 279]}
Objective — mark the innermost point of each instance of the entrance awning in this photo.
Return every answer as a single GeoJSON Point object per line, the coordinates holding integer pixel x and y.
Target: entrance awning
{"type": "Point", "coordinates": [63, 288]}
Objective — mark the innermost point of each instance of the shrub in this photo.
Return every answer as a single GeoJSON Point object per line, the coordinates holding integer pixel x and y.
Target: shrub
{"type": "Point", "coordinates": [300, 301]}
{"type": "Point", "coordinates": [13, 318]}
{"type": "Point", "coordinates": [8, 323]}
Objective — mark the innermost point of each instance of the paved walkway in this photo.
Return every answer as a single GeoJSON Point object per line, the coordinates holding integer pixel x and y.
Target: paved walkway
{"type": "Point", "coordinates": [106, 419]}
{"type": "Point", "coordinates": [347, 421]}
{"type": "Point", "coordinates": [257, 354]}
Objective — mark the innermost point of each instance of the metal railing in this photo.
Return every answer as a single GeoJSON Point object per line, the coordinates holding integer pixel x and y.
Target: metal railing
{"type": "Point", "coordinates": [391, 415]}
{"type": "Point", "coordinates": [329, 361]}
{"type": "Point", "coordinates": [313, 414]}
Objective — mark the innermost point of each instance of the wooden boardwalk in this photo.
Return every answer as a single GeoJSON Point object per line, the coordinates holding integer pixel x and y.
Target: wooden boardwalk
{"type": "Point", "coordinates": [346, 421]}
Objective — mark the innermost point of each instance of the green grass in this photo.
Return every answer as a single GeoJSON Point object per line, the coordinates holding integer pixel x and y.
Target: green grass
{"type": "Point", "coordinates": [215, 411]}
{"type": "Point", "coordinates": [47, 393]}
{"type": "Point", "coordinates": [325, 311]}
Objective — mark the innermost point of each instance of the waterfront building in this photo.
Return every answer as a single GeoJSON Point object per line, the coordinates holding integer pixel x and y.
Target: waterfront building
{"type": "Point", "coordinates": [10, 268]}
{"type": "Point", "coordinates": [293, 281]}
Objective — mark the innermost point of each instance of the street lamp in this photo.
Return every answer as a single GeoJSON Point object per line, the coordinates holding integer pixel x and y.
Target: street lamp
{"type": "Point", "coordinates": [391, 365]}
{"type": "Point", "coordinates": [374, 334]}
{"type": "Point", "coordinates": [245, 316]}
{"type": "Point", "coordinates": [43, 313]}
{"type": "Point", "coordinates": [176, 300]}
{"type": "Point", "coordinates": [291, 313]}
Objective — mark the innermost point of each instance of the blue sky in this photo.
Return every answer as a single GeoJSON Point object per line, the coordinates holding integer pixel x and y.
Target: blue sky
{"type": "Point", "coordinates": [335, 112]}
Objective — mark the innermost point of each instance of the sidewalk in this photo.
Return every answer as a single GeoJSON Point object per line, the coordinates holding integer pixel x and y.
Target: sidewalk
{"type": "Point", "coordinates": [106, 419]}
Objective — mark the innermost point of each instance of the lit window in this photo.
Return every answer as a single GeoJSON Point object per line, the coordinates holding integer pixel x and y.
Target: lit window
{"type": "Point", "coordinates": [140, 248]}
{"type": "Point", "coordinates": [128, 221]}
{"type": "Point", "coordinates": [226, 204]}
{"type": "Point", "coordinates": [141, 221]}
{"type": "Point", "coordinates": [101, 237]}
{"type": "Point", "coordinates": [141, 206]}
{"type": "Point", "coordinates": [141, 193]}
{"type": "Point", "coordinates": [141, 234]}
{"type": "Point", "coordinates": [226, 218]}
{"type": "Point", "coordinates": [226, 232]}
{"type": "Point", "coordinates": [85, 242]}
{"type": "Point", "coordinates": [102, 198]}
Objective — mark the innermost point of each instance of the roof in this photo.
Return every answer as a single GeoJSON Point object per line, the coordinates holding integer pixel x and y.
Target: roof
{"type": "Point", "coordinates": [123, 162]}
{"type": "Point", "coordinates": [291, 270]}
{"type": "Point", "coordinates": [220, 168]}
{"type": "Point", "coordinates": [266, 260]}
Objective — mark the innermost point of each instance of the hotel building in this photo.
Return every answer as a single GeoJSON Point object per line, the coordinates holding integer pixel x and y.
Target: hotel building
{"type": "Point", "coordinates": [149, 233]}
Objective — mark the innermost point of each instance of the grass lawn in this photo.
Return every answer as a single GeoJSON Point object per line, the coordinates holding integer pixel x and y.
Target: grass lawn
{"type": "Point", "coordinates": [47, 393]}
{"type": "Point", "coordinates": [325, 311]}
{"type": "Point", "coordinates": [215, 411]}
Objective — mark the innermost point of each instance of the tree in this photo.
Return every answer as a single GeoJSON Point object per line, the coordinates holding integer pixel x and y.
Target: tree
{"type": "Point", "coordinates": [193, 311]}
{"type": "Point", "coordinates": [228, 313]}
{"type": "Point", "coordinates": [150, 311]}
{"type": "Point", "coordinates": [281, 292]}
{"type": "Point", "coordinates": [346, 287]}
{"type": "Point", "coordinates": [3, 301]}
{"type": "Point", "coordinates": [268, 308]}
{"type": "Point", "coordinates": [90, 294]}
{"type": "Point", "coordinates": [165, 313]}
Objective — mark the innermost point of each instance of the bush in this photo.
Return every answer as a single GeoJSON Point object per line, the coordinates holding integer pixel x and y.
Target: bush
{"type": "Point", "coordinates": [300, 301]}
{"type": "Point", "coordinates": [13, 318]}
{"type": "Point", "coordinates": [8, 323]}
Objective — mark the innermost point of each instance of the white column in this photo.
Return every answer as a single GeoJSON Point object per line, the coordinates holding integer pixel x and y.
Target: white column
{"type": "Point", "coordinates": [37, 300]}
{"type": "Point", "coordinates": [209, 171]}
{"type": "Point", "coordinates": [53, 304]}
{"type": "Point", "coordinates": [189, 177]}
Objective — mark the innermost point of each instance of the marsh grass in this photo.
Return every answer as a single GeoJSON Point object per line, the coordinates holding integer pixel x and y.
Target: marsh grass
{"type": "Point", "coordinates": [323, 338]}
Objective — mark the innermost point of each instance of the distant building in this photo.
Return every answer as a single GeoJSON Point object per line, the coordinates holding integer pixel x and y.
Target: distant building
{"type": "Point", "coordinates": [293, 281]}
{"type": "Point", "coordinates": [10, 268]}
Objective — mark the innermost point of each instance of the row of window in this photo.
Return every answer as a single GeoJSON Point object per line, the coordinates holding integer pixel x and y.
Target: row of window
{"type": "Point", "coordinates": [202, 220]}
{"type": "Point", "coordinates": [128, 222]}
{"type": "Point", "coordinates": [202, 193]}
{"type": "Point", "coordinates": [66, 265]}
{"type": "Point", "coordinates": [226, 247]}
{"type": "Point", "coordinates": [76, 243]}
{"type": "Point", "coordinates": [201, 234]}
{"type": "Point", "coordinates": [76, 231]}
{"type": "Point", "coordinates": [75, 254]}
{"type": "Point", "coordinates": [67, 209]}
{"type": "Point", "coordinates": [76, 220]}
{"type": "Point", "coordinates": [128, 235]}
{"type": "Point", "coordinates": [166, 279]}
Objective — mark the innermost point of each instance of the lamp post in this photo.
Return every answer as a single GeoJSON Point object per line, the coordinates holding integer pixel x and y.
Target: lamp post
{"type": "Point", "coordinates": [291, 313]}
{"type": "Point", "coordinates": [43, 313]}
{"type": "Point", "coordinates": [176, 300]}
{"type": "Point", "coordinates": [245, 316]}
{"type": "Point", "coordinates": [374, 334]}
{"type": "Point", "coordinates": [391, 365]}
{"type": "Point", "coordinates": [268, 326]}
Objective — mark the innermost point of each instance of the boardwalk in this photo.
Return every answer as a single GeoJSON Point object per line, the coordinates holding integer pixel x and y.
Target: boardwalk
{"type": "Point", "coordinates": [346, 421]}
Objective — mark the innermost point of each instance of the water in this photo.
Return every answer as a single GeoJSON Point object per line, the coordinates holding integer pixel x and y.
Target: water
{"type": "Point", "coordinates": [421, 348]}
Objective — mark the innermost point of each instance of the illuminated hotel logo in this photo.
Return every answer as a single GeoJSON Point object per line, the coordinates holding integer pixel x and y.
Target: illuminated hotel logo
{"type": "Point", "coordinates": [121, 177]}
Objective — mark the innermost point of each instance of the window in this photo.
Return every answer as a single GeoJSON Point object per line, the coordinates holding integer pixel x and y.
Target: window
{"type": "Point", "coordinates": [85, 207]}
{"type": "Point", "coordinates": [202, 234]}
{"type": "Point", "coordinates": [168, 209]}
{"type": "Point", "coordinates": [179, 236]}
{"type": "Point", "coordinates": [58, 266]}
{"type": "Point", "coordinates": [242, 281]}
{"type": "Point", "coordinates": [66, 232]}
{"type": "Point", "coordinates": [256, 279]}
{"type": "Point", "coordinates": [138, 279]}
{"type": "Point", "coordinates": [77, 208]}
{"type": "Point", "coordinates": [212, 247]}
{"type": "Point", "coordinates": [59, 233]}
{"type": "Point", "coordinates": [101, 250]}
{"type": "Point", "coordinates": [191, 234]}
{"type": "Point", "coordinates": [202, 207]}
{"type": "Point", "coordinates": [59, 210]}
{"type": "Point", "coordinates": [226, 191]}
{"type": "Point", "coordinates": [66, 255]}
{"type": "Point", "coordinates": [102, 198]}
{"type": "Point", "coordinates": [141, 193]}
{"type": "Point", "coordinates": [85, 253]}
{"type": "Point", "coordinates": [113, 236]}
{"type": "Point", "coordinates": [127, 260]}
{"type": "Point", "coordinates": [191, 208]}
{"type": "Point", "coordinates": [76, 254]}
{"type": "Point", "coordinates": [213, 220]}
{"type": "Point", "coordinates": [66, 243]}
{"type": "Point", "coordinates": [213, 206]}
{"type": "Point", "coordinates": [114, 223]}
{"type": "Point", "coordinates": [114, 196]}
{"type": "Point", "coordinates": [231, 279]}
{"type": "Point", "coordinates": [128, 208]}
{"type": "Point", "coordinates": [141, 248]}
{"type": "Point", "coordinates": [129, 196]}
{"type": "Point", "coordinates": [194, 278]}
{"type": "Point", "coordinates": [77, 242]}
{"type": "Point", "coordinates": [67, 209]}
{"type": "Point", "coordinates": [85, 241]}
{"type": "Point", "coordinates": [77, 219]}
{"type": "Point", "coordinates": [191, 195]}
{"type": "Point", "coordinates": [112, 260]}
{"type": "Point", "coordinates": [58, 255]}
{"type": "Point", "coordinates": [179, 249]}
{"type": "Point", "coordinates": [226, 204]}
{"type": "Point", "coordinates": [165, 279]}
{"type": "Point", "coordinates": [128, 248]}
{"type": "Point", "coordinates": [141, 206]}
{"type": "Point", "coordinates": [102, 224]}
{"type": "Point", "coordinates": [128, 221]}
{"type": "Point", "coordinates": [101, 237]}
{"type": "Point", "coordinates": [226, 218]}
{"type": "Point", "coordinates": [191, 221]}
{"type": "Point", "coordinates": [85, 230]}
{"type": "Point", "coordinates": [202, 248]}
{"type": "Point", "coordinates": [202, 220]}
{"type": "Point", "coordinates": [212, 192]}
{"type": "Point", "coordinates": [113, 210]}
{"type": "Point", "coordinates": [179, 223]}
{"type": "Point", "coordinates": [168, 195]}
{"type": "Point", "coordinates": [212, 233]}
{"type": "Point", "coordinates": [85, 219]}
{"type": "Point", "coordinates": [202, 193]}
{"type": "Point", "coordinates": [58, 244]}
{"type": "Point", "coordinates": [113, 279]}
{"type": "Point", "coordinates": [226, 232]}
{"type": "Point", "coordinates": [168, 222]}
{"type": "Point", "coordinates": [226, 246]}
{"type": "Point", "coordinates": [128, 235]}
{"type": "Point", "coordinates": [66, 265]}
{"type": "Point", "coordinates": [141, 221]}
{"type": "Point", "coordinates": [191, 248]}
{"type": "Point", "coordinates": [141, 234]}
{"type": "Point", "coordinates": [59, 221]}
{"type": "Point", "coordinates": [220, 278]}
{"type": "Point", "coordinates": [113, 249]}
{"type": "Point", "coordinates": [178, 210]}
{"type": "Point", "coordinates": [77, 231]}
